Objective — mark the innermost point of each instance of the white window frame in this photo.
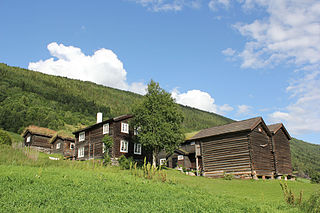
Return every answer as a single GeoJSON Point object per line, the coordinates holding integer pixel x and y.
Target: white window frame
{"type": "Point", "coordinates": [180, 157]}
{"type": "Point", "coordinates": [81, 152]}
{"type": "Point", "coordinates": [28, 139]}
{"type": "Point", "coordinates": [137, 149]}
{"type": "Point", "coordinates": [71, 145]}
{"type": "Point", "coordinates": [124, 146]}
{"type": "Point", "coordinates": [163, 161]}
{"type": "Point", "coordinates": [82, 136]}
{"type": "Point", "coordinates": [125, 128]}
{"type": "Point", "coordinates": [105, 128]}
{"type": "Point", "coordinates": [58, 146]}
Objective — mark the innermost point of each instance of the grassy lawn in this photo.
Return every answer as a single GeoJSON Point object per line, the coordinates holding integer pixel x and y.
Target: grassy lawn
{"type": "Point", "coordinates": [41, 185]}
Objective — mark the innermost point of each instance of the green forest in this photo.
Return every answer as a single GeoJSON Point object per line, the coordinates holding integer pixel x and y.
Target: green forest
{"type": "Point", "coordinates": [28, 97]}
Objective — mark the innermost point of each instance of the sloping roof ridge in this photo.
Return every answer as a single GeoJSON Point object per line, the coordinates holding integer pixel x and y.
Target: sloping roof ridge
{"type": "Point", "coordinates": [39, 130]}
{"type": "Point", "coordinates": [277, 127]}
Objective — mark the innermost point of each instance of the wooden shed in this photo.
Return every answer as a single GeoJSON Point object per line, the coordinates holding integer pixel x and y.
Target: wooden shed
{"type": "Point", "coordinates": [282, 154]}
{"type": "Point", "coordinates": [38, 137]}
{"type": "Point", "coordinates": [64, 145]}
{"type": "Point", "coordinates": [242, 148]}
{"type": "Point", "coordinates": [89, 143]}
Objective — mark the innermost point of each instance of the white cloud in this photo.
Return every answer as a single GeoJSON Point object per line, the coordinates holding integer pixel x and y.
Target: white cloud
{"type": "Point", "coordinates": [200, 100]}
{"type": "Point", "coordinates": [243, 110]}
{"type": "Point", "coordinates": [290, 33]}
{"type": "Point", "coordinates": [214, 4]}
{"type": "Point", "coordinates": [302, 116]}
{"type": "Point", "coordinates": [168, 5]}
{"type": "Point", "coordinates": [228, 52]}
{"type": "Point", "coordinates": [103, 67]}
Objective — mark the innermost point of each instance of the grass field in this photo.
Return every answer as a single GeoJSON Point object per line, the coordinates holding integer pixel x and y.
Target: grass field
{"type": "Point", "coordinates": [36, 184]}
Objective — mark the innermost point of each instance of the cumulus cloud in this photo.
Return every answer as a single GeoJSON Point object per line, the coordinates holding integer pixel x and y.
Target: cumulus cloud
{"type": "Point", "coordinates": [200, 100]}
{"type": "Point", "coordinates": [302, 116]}
{"type": "Point", "coordinates": [103, 67]}
{"type": "Point", "coordinates": [243, 110]}
{"type": "Point", "coordinates": [214, 4]}
{"type": "Point", "coordinates": [290, 32]}
{"type": "Point", "coordinates": [168, 5]}
{"type": "Point", "coordinates": [228, 52]}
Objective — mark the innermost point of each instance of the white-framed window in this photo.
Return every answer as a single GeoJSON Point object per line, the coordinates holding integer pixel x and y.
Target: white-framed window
{"type": "Point", "coordinates": [105, 129]}
{"type": "Point", "coordinates": [137, 149]}
{"type": "Point", "coordinates": [28, 139]}
{"type": "Point", "coordinates": [163, 161]}
{"type": "Point", "coordinates": [71, 145]}
{"type": "Point", "coordinates": [82, 136]}
{"type": "Point", "coordinates": [58, 146]}
{"type": "Point", "coordinates": [180, 157]}
{"type": "Point", "coordinates": [124, 146]}
{"type": "Point", "coordinates": [81, 152]}
{"type": "Point", "coordinates": [125, 128]}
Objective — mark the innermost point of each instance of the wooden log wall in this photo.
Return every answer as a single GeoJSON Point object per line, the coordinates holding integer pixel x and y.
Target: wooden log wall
{"type": "Point", "coordinates": [261, 152]}
{"type": "Point", "coordinates": [282, 153]}
{"type": "Point", "coordinates": [41, 141]}
{"type": "Point", "coordinates": [226, 154]}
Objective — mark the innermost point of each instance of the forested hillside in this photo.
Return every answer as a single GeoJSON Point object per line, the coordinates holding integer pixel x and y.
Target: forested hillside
{"type": "Point", "coordinates": [29, 97]}
{"type": "Point", "coordinates": [305, 157]}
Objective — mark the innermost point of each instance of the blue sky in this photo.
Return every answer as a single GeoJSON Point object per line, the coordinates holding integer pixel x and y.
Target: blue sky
{"type": "Point", "coordinates": [240, 58]}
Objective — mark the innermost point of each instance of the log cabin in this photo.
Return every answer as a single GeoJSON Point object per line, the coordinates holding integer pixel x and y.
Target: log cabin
{"type": "Point", "coordinates": [281, 148]}
{"type": "Point", "coordinates": [38, 137]}
{"type": "Point", "coordinates": [89, 145]}
{"type": "Point", "coordinates": [242, 148]}
{"type": "Point", "coordinates": [63, 144]}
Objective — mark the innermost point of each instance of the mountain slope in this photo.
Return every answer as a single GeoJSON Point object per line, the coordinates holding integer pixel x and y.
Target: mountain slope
{"type": "Point", "coordinates": [29, 97]}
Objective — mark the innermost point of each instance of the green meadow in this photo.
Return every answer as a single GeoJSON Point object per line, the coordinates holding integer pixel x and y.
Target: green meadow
{"type": "Point", "coordinates": [30, 182]}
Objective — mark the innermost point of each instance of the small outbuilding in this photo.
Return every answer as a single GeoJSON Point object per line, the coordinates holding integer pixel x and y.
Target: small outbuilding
{"type": "Point", "coordinates": [38, 137]}
{"type": "Point", "coordinates": [282, 154]}
{"type": "Point", "coordinates": [63, 144]}
{"type": "Point", "coordinates": [242, 148]}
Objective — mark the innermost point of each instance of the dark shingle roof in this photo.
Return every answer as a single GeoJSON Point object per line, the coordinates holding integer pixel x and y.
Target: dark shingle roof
{"type": "Point", "coordinates": [237, 126]}
{"type": "Point", "coordinates": [274, 128]}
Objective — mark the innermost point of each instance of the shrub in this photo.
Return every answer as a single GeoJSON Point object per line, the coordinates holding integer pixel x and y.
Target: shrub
{"type": "Point", "coordinates": [315, 177]}
{"type": "Point", "coordinates": [108, 143]}
{"type": "Point", "coordinates": [5, 138]}
{"type": "Point", "coordinates": [125, 163]}
{"type": "Point", "coordinates": [289, 196]}
{"type": "Point", "coordinates": [227, 176]}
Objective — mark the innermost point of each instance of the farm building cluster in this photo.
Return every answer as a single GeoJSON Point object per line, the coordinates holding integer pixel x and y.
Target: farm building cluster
{"type": "Point", "coordinates": [245, 149]}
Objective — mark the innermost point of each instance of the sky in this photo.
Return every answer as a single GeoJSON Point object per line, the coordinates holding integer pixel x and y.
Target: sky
{"type": "Point", "coordinates": [237, 58]}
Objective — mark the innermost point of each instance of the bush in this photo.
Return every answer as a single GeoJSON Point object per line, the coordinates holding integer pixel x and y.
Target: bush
{"type": "Point", "coordinates": [124, 162]}
{"type": "Point", "coordinates": [5, 138]}
{"type": "Point", "coordinates": [315, 177]}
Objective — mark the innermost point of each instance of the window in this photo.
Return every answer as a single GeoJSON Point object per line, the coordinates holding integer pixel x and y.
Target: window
{"type": "Point", "coordinates": [82, 136]}
{"type": "Point", "coordinates": [124, 127]}
{"type": "Point", "coordinates": [137, 148]}
{"type": "Point", "coordinates": [58, 146]}
{"type": "Point", "coordinates": [124, 146]}
{"type": "Point", "coordinates": [28, 139]}
{"type": "Point", "coordinates": [180, 157]}
{"type": "Point", "coordinates": [163, 161]}
{"type": "Point", "coordinates": [81, 152]}
{"type": "Point", "coordinates": [105, 129]}
{"type": "Point", "coordinates": [71, 145]}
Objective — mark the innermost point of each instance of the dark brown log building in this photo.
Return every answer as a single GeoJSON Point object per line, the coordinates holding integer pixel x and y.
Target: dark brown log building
{"type": "Point", "coordinates": [89, 145]}
{"type": "Point", "coordinates": [38, 137]}
{"type": "Point", "coordinates": [64, 145]}
{"type": "Point", "coordinates": [242, 148]}
{"type": "Point", "coordinates": [282, 153]}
